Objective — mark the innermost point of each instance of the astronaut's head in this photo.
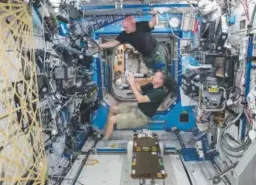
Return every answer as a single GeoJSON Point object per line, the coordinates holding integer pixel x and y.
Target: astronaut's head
{"type": "Point", "coordinates": [159, 79]}
{"type": "Point", "coordinates": [129, 24]}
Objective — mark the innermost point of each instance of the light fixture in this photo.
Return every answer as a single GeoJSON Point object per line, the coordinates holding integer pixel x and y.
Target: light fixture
{"type": "Point", "coordinates": [119, 4]}
{"type": "Point", "coordinates": [174, 22]}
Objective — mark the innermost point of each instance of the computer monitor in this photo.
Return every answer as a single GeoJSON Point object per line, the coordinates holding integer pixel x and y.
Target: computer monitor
{"type": "Point", "coordinates": [207, 30]}
{"type": "Point", "coordinates": [223, 67]}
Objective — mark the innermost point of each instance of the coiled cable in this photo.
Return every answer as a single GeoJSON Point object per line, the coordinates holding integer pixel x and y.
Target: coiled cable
{"type": "Point", "coordinates": [226, 147]}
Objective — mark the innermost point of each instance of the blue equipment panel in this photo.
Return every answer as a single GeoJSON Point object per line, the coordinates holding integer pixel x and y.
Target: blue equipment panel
{"type": "Point", "coordinates": [163, 21]}
{"type": "Point", "coordinates": [190, 154]}
{"type": "Point", "coordinates": [162, 120]}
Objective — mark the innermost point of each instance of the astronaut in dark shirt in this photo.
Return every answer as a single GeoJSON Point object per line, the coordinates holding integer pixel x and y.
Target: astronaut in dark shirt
{"type": "Point", "coordinates": [149, 97]}
{"type": "Point", "coordinates": [139, 35]}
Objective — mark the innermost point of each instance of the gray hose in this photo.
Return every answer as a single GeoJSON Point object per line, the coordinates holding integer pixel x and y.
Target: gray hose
{"type": "Point", "coordinates": [226, 147]}
{"type": "Point", "coordinates": [238, 148]}
{"type": "Point", "coordinates": [229, 153]}
{"type": "Point", "coordinates": [242, 146]}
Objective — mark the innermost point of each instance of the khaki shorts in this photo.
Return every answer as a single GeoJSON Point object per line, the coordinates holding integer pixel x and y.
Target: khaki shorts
{"type": "Point", "coordinates": [130, 117]}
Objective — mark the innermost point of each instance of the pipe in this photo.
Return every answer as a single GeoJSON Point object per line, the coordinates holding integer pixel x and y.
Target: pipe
{"type": "Point", "coordinates": [225, 178]}
{"type": "Point", "coordinates": [224, 172]}
{"type": "Point", "coordinates": [155, 121]}
{"type": "Point", "coordinates": [127, 6]}
{"type": "Point", "coordinates": [237, 118]}
{"type": "Point", "coordinates": [114, 12]}
{"type": "Point", "coordinates": [248, 117]}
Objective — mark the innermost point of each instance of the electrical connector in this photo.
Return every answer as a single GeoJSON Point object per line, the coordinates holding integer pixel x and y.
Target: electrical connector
{"type": "Point", "coordinates": [229, 102]}
{"type": "Point", "coordinates": [201, 154]}
{"type": "Point", "coordinates": [199, 149]}
{"type": "Point", "coordinates": [252, 134]}
{"type": "Point", "coordinates": [199, 145]}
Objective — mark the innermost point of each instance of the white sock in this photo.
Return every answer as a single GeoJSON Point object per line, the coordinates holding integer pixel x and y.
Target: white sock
{"type": "Point", "coordinates": [105, 138]}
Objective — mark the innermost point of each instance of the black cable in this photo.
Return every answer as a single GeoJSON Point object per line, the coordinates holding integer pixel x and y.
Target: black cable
{"type": "Point", "coordinates": [231, 111]}
{"type": "Point", "coordinates": [181, 158]}
{"type": "Point", "coordinates": [84, 160]}
{"type": "Point", "coordinates": [186, 171]}
{"type": "Point", "coordinates": [180, 139]}
{"type": "Point", "coordinates": [237, 92]}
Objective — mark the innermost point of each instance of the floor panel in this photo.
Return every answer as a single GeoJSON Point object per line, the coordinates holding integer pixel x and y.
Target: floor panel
{"type": "Point", "coordinates": [99, 170]}
{"type": "Point", "coordinates": [121, 138]}
{"type": "Point", "coordinates": [201, 172]}
{"type": "Point", "coordinates": [115, 170]}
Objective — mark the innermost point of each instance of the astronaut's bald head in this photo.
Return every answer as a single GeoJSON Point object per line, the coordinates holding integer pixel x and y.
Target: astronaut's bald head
{"type": "Point", "coordinates": [129, 24]}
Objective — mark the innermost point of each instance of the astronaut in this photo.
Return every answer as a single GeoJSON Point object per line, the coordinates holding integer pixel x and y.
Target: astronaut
{"type": "Point", "coordinates": [139, 35]}
{"type": "Point", "coordinates": [149, 97]}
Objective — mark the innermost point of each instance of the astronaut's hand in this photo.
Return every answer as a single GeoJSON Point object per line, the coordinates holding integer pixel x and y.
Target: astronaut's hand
{"type": "Point", "coordinates": [130, 79]}
{"type": "Point", "coordinates": [153, 12]}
